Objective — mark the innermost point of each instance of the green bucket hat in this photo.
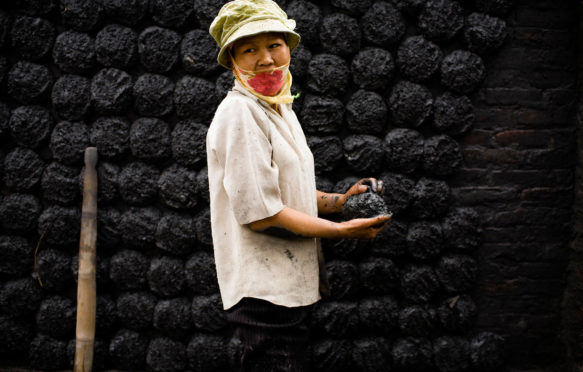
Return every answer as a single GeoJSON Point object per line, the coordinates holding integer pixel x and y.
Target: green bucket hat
{"type": "Point", "coordinates": [241, 18]}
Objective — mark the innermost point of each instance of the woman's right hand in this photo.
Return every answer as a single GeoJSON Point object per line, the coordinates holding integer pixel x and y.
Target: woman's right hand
{"type": "Point", "coordinates": [363, 228]}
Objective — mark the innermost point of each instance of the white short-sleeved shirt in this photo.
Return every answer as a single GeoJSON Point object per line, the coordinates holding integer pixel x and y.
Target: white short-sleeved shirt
{"type": "Point", "coordinates": [259, 162]}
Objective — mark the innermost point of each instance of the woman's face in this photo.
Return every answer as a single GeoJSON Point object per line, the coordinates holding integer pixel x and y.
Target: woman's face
{"type": "Point", "coordinates": [261, 51]}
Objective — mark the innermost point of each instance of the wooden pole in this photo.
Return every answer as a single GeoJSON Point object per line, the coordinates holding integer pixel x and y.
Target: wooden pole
{"type": "Point", "coordinates": [86, 294]}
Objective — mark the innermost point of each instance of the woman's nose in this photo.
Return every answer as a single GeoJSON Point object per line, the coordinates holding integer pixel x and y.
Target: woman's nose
{"type": "Point", "coordinates": [265, 58]}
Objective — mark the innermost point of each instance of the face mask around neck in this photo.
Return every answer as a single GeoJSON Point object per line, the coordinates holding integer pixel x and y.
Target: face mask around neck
{"type": "Point", "coordinates": [267, 82]}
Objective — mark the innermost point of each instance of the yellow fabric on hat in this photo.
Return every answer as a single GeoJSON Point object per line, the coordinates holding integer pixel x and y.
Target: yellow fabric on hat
{"type": "Point", "coordinates": [235, 14]}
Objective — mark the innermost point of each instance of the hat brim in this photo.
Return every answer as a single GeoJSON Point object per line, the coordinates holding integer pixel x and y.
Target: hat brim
{"type": "Point", "coordinates": [254, 28]}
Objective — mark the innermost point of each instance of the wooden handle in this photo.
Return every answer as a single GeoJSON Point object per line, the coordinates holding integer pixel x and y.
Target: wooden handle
{"type": "Point", "coordinates": [86, 288]}
{"type": "Point", "coordinates": [91, 157]}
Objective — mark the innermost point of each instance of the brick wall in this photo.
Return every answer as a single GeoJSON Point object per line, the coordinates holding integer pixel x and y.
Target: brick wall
{"type": "Point", "coordinates": [572, 320]}
{"type": "Point", "coordinates": [518, 173]}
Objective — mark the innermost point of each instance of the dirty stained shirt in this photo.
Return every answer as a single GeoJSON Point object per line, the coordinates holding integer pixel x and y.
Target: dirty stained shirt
{"type": "Point", "coordinates": [259, 162]}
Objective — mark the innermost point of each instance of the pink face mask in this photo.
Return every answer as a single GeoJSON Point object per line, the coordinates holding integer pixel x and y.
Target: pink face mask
{"type": "Point", "coordinates": [265, 82]}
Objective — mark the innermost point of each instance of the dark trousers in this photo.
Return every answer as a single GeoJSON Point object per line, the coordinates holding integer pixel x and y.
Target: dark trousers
{"type": "Point", "coordinates": [268, 337]}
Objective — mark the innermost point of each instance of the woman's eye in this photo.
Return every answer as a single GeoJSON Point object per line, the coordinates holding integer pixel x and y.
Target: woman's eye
{"type": "Point", "coordinates": [275, 45]}
{"type": "Point", "coordinates": [250, 50]}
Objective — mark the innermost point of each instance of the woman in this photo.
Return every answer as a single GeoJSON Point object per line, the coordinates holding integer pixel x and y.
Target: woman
{"type": "Point", "coordinates": [264, 203]}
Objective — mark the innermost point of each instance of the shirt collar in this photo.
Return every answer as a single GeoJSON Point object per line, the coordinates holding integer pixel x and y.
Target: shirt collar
{"type": "Point", "coordinates": [285, 110]}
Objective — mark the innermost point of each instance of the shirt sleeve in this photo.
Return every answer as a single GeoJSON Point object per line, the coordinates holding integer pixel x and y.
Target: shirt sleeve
{"type": "Point", "coordinates": [250, 178]}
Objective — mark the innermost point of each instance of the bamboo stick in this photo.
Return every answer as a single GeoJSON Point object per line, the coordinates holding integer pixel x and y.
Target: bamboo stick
{"type": "Point", "coordinates": [86, 291]}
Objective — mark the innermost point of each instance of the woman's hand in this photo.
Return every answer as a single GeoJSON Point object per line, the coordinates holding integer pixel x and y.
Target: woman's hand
{"type": "Point", "coordinates": [333, 203]}
{"type": "Point", "coordinates": [363, 228]}
{"type": "Point", "coordinates": [362, 186]}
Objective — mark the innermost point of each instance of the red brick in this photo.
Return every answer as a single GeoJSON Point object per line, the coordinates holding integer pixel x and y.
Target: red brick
{"type": "Point", "coordinates": [521, 287]}
{"type": "Point", "coordinates": [546, 4]}
{"type": "Point", "coordinates": [530, 304]}
{"type": "Point", "coordinates": [497, 116]}
{"type": "Point", "coordinates": [527, 179]}
{"type": "Point", "coordinates": [525, 138]}
{"type": "Point", "coordinates": [483, 157]}
{"type": "Point", "coordinates": [532, 234]}
{"type": "Point", "coordinates": [550, 159]}
{"type": "Point", "coordinates": [552, 79]}
{"type": "Point", "coordinates": [542, 270]}
{"type": "Point", "coordinates": [544, 118]}
{"type": "Point", "coordinates": [528, 97]}
{"type": "Point", "coordinates": [506, 78]}
{"type": "Point", "coordinates": [558, 139]}
{"type": "Point", "coordinates": [542, 38]}
{"type": "Point", "coordinates": [507, 287]}
{"type": "Point", "coordinates": [470, 196]}
{"type": "Point", "coordinates": [561, 196]}
{"type": "Point", "coordinates": [533, 116]}
{"type": "Point", "coordinates": [507, 57]}
{"type": "Point", "coordinates": [576, 245]}
{"type": "Point", "coordinates": [533, 216]}
{"type": "Point", "coordinates": [528, 58]}
{"type": "Point", "coordinates": [550, 18]}
{"type": "Point", "coordinates": [561, 98]}
{"type": "Point", "coordinates": [477, 137]}
{"type": "Point", "coordinates": [522, 251]}
{"type": "Point", "coordinates": [469, 177]}
{"type": "Point", "coordinates": [564, 140]}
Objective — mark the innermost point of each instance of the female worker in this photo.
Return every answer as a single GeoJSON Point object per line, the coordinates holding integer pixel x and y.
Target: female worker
{"type": "Point", "coordinates": [263, 199]}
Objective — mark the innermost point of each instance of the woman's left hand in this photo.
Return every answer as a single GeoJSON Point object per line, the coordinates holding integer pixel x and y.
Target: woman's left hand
{"type": "Point", "coordinates": [363, 186]}
{"type": "Point", "coordinates": [333, 203]}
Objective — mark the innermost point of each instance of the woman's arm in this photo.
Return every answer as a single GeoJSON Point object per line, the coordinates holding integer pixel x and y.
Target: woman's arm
{"type": "Point", "coordinates": [329, 202]}
{"type": "Point", "coordinates": [292, 223]}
